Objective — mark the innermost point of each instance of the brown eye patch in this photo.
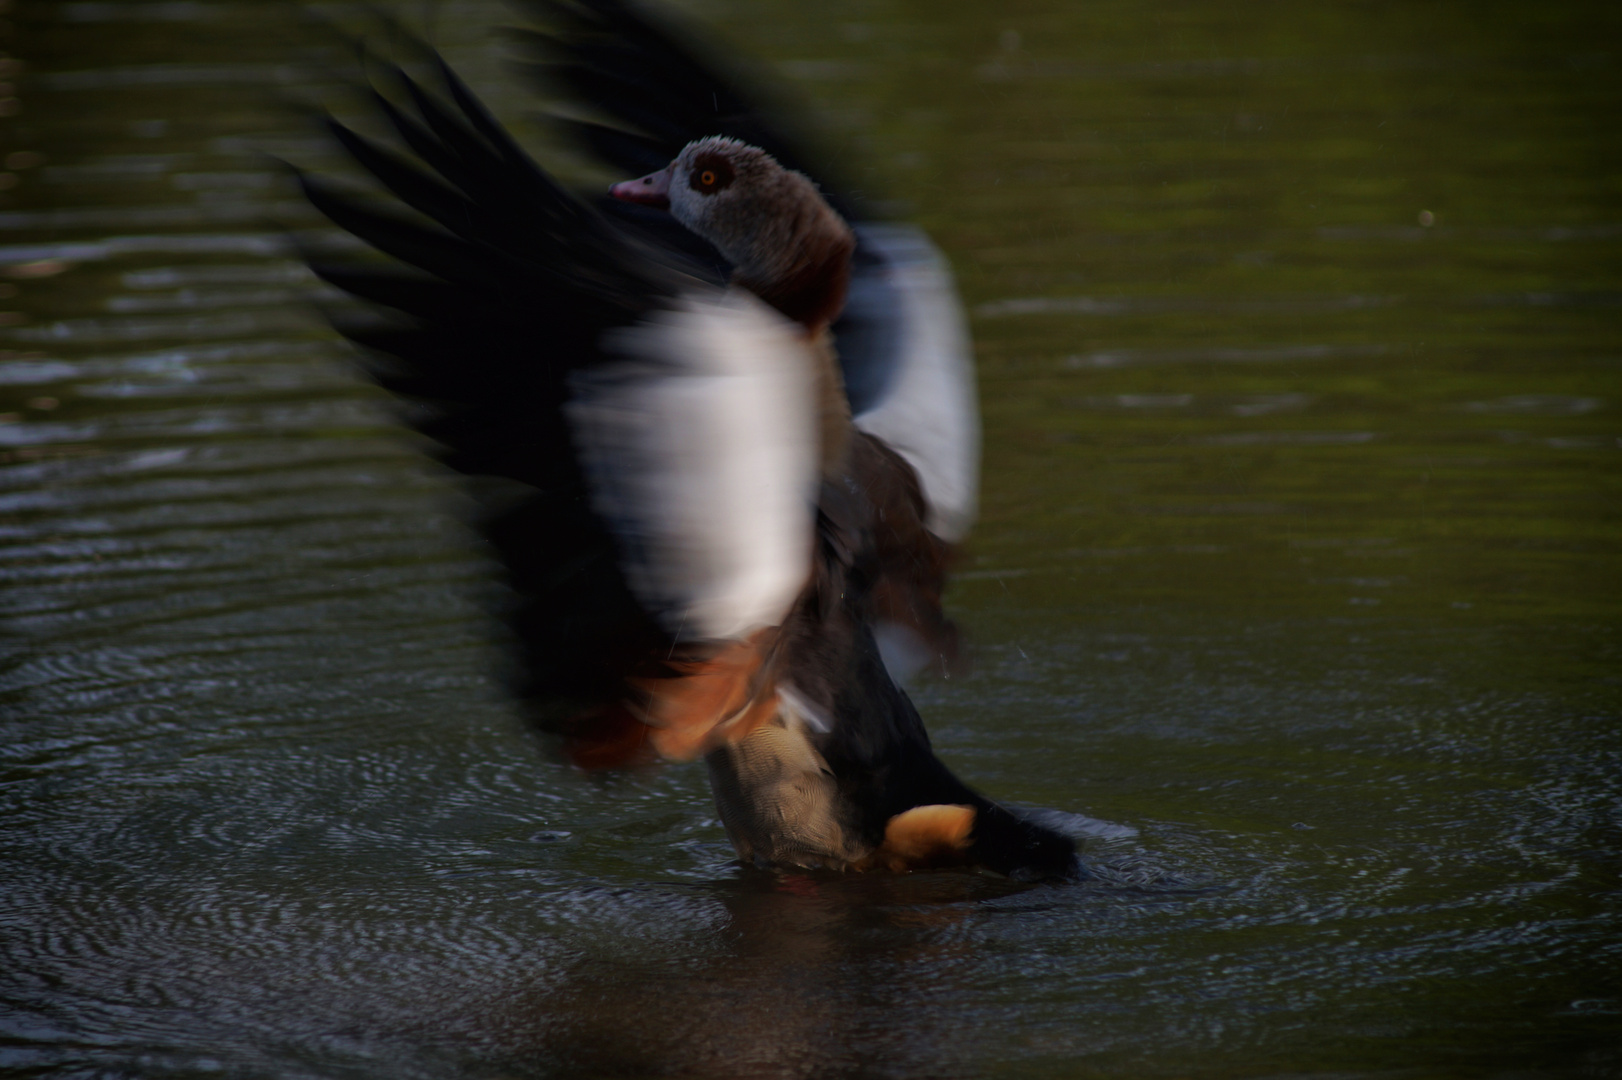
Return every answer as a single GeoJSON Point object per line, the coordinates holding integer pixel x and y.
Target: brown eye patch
{"type": "Point", "coordinates": [710, 173]}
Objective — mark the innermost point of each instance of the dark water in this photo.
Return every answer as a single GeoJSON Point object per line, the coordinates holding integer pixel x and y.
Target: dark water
{"type": "Point", "coordinates": [1299, 575]}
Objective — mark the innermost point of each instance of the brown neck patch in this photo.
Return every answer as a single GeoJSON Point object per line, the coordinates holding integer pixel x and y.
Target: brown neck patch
{"type": "Point", "coordinates": [813, 293]}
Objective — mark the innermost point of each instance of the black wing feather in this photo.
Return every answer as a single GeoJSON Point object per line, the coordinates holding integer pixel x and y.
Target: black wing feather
{"type": "Point", "coordinates": [508, 286]}
{"type": "Point", "coordinates": [412, 294]}
{"type": "Point", "coordinates": [636, 154]}
{"type": "Point", "coordinates": [428, 250]}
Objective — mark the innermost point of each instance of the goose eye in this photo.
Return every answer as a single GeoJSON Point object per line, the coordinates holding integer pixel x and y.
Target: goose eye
{"type": "Point", "coordinates": [710, 174]}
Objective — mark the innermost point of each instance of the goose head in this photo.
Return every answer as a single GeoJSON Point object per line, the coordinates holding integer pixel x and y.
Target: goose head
{"type": "Point", "coordinates": [786, 244]}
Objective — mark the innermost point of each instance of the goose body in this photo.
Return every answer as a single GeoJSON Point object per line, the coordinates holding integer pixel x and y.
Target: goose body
{"type": "Point", "coordinates": [726, 514]}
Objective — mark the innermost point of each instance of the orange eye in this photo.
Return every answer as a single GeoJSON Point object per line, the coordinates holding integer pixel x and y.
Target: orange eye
{"type": "Point", "coordinates": [707, 178]}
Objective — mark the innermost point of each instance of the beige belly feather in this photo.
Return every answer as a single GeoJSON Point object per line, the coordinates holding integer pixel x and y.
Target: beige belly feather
{"type": "Point", "coordinates": [780, 805]}
{"type": "Point", "coordinates": [778, 799]}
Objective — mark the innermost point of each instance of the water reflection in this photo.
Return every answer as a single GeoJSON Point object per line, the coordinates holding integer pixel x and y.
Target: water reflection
{"type": "Point", "coordinates": [804, 975]}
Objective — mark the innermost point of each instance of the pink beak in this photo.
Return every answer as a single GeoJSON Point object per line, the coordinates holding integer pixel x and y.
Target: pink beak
{"type": "Point", "coordinates": [651, 190]}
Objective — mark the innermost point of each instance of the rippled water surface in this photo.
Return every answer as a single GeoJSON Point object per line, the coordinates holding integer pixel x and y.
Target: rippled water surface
{"type": "Point", "coordinates": [1298, 577]}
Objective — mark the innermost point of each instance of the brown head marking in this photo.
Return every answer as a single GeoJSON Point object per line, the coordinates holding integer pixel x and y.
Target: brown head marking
{"type": "Point", "coordinates": [711, 173]}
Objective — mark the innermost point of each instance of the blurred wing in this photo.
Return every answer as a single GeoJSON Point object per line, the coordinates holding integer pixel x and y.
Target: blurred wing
{"type": "Point", "coordinates": [556, 353]}
{"type": "Point", "coordinates": [903, 344]}
{"type": "Point", "coordinates": [702, 454]}
{"type": "Point", "coordinates": [916, 392]}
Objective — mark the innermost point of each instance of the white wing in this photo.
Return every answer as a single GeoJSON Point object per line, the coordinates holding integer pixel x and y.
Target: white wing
{"type": "Point", "coordinates": [699, 442]}
{"type": "Point", "coordinates": [928, 410]}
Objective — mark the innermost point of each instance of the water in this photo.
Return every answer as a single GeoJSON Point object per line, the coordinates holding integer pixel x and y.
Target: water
{"type": "Point", "coordinates": [1298, 577]}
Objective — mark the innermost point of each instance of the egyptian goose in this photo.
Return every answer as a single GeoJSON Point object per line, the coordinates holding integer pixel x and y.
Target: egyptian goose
{"type": "Point", "coordinates": [704, 540]}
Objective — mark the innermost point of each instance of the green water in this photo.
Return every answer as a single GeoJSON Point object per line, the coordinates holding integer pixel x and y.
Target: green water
{"type": "Point", "coordinates": [1298, 573]}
